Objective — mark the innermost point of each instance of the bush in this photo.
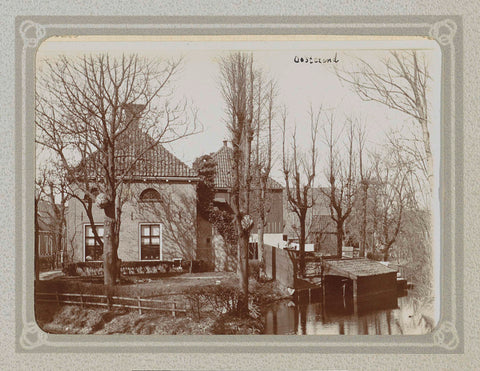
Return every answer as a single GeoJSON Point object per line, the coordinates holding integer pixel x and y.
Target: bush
{"type": "Point", "coordinates": [127, 268]}
{"type": "Point", "coordinates": [227, 324]}
{"type": "Point", "coordinates": [137, 267]}
{"type": "Point", "coordinates": [218, 298]}
{"type": "Point", "coordinates": [255, 268]}
{"type": "Point", "coordinates": [46, 263]}
{"type": "Point", "coordinates": [378, 256]}
{"type": "Point", "coordinates": [70, 269]}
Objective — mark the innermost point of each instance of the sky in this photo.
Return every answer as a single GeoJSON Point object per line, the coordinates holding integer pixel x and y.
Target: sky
{"type": "Point", "coordinates": [300, 85]}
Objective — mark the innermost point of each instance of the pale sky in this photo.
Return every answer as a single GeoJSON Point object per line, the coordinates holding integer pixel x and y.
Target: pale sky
{"type": "Point", "coordinates": [299, 84]}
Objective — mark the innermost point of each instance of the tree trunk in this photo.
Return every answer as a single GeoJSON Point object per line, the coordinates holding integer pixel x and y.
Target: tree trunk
{"type": "Point", "coordinates": [261, 232]}
{"type": "Point", "coordinates": [339, 240]}
{"type": "Point", "coordinates": [58, 247]}
{"type": "Point", "coordinates": [386, 253]}
{"type": "Point", "coordinates": [110, 247]}
{"type": "Point", "coordinates": [243, 271]}
{"type": "Point", "coordinates": [37, 243]}
{"type": "Point", "coordinates": [301, 253]}
{"type": "Point", "coordinates": [364, 222]}
{"type": "Point", "coordinates": [428, 154]}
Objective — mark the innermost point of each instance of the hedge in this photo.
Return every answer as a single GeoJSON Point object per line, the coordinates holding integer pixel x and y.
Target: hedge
{"type": "Point", "coordinates": [137, 267]}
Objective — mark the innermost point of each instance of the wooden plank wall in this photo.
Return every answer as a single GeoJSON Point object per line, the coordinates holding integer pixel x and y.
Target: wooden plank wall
{"type": "Point", "coordinates": [280, 265]}
{"type": "Point", "coordinates": [378, 284]}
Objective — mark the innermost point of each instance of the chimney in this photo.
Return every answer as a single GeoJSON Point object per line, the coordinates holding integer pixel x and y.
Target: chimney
{"type": "Point", "coordinates": [133, 112]}
{"type": "Point", "coordinates": [225, 143]}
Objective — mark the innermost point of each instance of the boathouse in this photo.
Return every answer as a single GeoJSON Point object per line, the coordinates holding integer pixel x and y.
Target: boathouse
{"type": "Point", "coordinates": [363, 277]}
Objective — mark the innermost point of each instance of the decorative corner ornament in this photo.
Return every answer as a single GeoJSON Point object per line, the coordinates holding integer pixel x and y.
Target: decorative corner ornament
{"type": "Point", "coordinates": [31, 33]}
{"type": "Point", "coordinates": [32, 336]}
{"type": "Point", "coordinates": [446, 336]}
{"type": "Point", "coordinates": [443, 31]}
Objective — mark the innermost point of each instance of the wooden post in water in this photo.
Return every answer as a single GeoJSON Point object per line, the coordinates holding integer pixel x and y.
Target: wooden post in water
{"type": "Point", "coordinates": [355, 296]}
{"type": "Point", "coordinates": [322, 275]}
{"type": "Point", "coordinates": [274, 263]}
{"type": "Point", "coordinates": [139, 303]}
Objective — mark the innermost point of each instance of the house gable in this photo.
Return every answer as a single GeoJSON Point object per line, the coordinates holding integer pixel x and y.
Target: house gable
{"type": "Point", "coordinates": [224, 174]}
{"type": "Point", "coordinates": [166, 222]}
{"type": "Point", "coordinates": [223, 183]}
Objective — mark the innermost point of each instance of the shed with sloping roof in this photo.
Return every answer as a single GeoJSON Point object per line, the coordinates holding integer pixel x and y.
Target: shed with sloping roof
{"type": "Point", "coordinates": [368, 277]}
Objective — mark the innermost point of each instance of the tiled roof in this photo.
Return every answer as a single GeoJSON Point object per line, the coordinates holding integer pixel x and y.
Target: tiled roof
{"type": "Point", "coordinates": [137, 155]}
{"type": "Point", "coordinates": [224, 174]}
{"type": "Point", "coordinates": [224, 171]}
{"type": "Point", "coordinates": [154, 160]}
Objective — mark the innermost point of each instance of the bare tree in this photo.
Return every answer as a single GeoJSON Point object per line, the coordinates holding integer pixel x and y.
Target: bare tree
{"type": "Point", "coordinates": [40, 189]}
{"type": "Point", "coordinates": [237, 85]}
{"type": "Point", "coordinates": [410, 148]}
{"type": "Point", "coordinates": [393, 196]}
{"type": "Point", "coordinates": [364, 184]}
{"type": "Point", "coordinates": [89, 112]}
{"type": "Point", "coordinates": [58, 197]}
{"type": "Point", "coordinates": [401, 83]}
{"type": "Point", "coordinates": [341, 176]}
{"type": "Point", "coordinates": [299, 170]}
{"type": "Point", "coordinates": [263, 157]}
{"type": "Point", "coordinates": [51, 196]}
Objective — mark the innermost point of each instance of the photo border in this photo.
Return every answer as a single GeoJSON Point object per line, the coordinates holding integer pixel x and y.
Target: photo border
{"type": "Point", "coordinates": [447, 337]}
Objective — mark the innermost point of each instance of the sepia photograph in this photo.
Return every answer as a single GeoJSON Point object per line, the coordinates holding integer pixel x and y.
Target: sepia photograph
{"type": "Point", "coordinates": [237, 185]}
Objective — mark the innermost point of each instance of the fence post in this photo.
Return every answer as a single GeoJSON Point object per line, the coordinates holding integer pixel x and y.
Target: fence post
{"type": "Point", "coordinates": [274, 263]}
{"type": "Point", "coordinates": [174, 307]}
{"type": "Point", "coordinates": [139, 305]}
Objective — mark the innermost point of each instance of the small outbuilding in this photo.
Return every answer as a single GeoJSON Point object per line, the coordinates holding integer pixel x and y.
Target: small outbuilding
{"type": "Point", "coordinates": [367, 277]}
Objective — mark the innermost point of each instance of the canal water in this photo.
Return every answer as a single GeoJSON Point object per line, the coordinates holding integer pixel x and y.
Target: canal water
{"type": "Point", "coordinates": [338, 316]}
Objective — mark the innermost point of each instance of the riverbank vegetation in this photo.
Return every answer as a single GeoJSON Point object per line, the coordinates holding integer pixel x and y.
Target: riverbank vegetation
{"type": "Point", "coordinates": [211, 302]}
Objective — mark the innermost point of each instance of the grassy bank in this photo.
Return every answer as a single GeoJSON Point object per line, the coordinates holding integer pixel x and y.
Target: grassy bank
{"type": "Point", "coordinates": [71, 319]}
{"type": "Point", "coordinates": [210, 299]}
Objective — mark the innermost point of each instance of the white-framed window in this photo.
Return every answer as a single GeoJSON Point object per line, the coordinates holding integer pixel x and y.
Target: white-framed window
{"type": "Point", "coordinates": [151, 241]}
{"type": "Point", "coordinates": [93, 251]}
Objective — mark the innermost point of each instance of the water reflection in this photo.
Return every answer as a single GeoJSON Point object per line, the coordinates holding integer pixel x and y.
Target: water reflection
{"type": "Point", "coordinates": [387, 315]}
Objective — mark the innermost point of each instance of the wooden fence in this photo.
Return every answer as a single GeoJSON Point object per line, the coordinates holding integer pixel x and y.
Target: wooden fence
{"type": "Point", "coordinates": [280, 265]}
{"type": "Point", "coordinates": [141, 304]}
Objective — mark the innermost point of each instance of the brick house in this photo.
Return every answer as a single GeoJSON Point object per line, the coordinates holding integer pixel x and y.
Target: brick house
{"type": "Point", "coordinates": [211, 241]}
{"type": "Point", "coordinates": [159, 214]}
